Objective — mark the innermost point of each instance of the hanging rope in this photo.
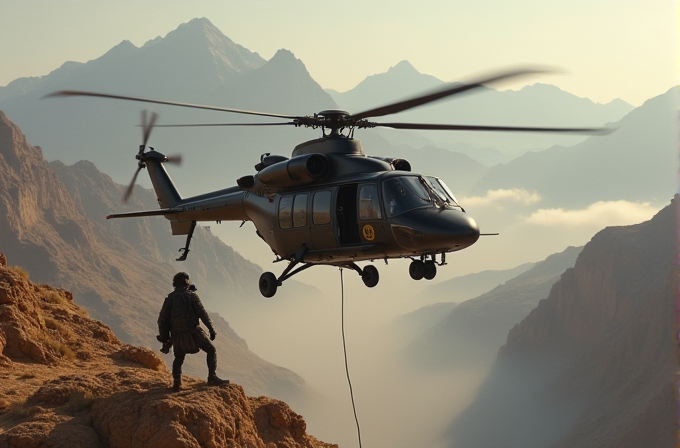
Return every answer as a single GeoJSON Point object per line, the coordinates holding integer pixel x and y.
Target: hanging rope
{"type": "Point", "coordinates": [344, 349]}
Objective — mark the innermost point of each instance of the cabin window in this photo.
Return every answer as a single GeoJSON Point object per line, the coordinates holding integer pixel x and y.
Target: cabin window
{"type": "Point", "coordinates": [300, 210]}
{"type": "Point", "coordinates": [369, 203]}
{"type": "Point", "coordinates": [285, 212]}
{"type": "Point", "coordinates": [321, 208]}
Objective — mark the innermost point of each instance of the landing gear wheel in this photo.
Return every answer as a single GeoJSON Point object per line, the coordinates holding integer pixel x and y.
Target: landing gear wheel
{"type": "Point", "coordinates": [268, 284]}
{"type": "Point", "coordinates": [430, 270]}
{"type": "Point", "coordinates": [416, 269]}
{"type": "Point", "coordinates": [370, 276]}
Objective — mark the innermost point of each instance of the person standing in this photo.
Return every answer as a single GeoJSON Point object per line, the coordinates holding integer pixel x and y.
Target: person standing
{"type": "Point", "coordinates": [178, 323]}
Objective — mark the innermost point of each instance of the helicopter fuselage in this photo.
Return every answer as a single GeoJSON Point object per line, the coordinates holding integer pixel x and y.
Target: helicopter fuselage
{"type": "Point", "coordinates": [358, 208]}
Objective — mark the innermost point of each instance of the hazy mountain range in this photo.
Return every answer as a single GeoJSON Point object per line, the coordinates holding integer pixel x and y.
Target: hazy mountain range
{"type": "Point", "coordinates": [196, 63]}
{"type": "Point", "coordinates": [637, 162]}
{"type": "Point", "coordinates": [536, 105]}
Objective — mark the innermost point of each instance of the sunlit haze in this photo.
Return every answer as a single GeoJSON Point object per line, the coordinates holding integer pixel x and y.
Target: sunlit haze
{"type": "Point", "coordinates": [609, 49]}
{"type": "Point", "coordinates": [533, 195]}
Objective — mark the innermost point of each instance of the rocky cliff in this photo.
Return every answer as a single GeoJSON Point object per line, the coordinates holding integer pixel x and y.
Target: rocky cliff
{"type": "Point", "coordinates": [52, 224]}
{"type": "Point", "coordinates": [594, 364]}
{"type": "Point", "coordinates": [67, 380]}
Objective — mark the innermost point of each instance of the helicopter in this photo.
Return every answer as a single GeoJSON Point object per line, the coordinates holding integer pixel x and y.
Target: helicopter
{"type": "Point", "coordinates": [329, 203]}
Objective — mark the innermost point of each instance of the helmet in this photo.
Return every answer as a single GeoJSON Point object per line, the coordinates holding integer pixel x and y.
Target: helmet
{"type": "Point", "coordinates": [180, 279]}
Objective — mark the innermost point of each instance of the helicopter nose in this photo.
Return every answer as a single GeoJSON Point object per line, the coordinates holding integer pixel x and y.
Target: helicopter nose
{"type": "Point", "coordinates": [435, 230]}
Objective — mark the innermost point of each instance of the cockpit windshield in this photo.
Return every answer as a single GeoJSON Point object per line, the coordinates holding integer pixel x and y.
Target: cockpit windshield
{"type": "Point", "coordinates": [442, 190]}
{"type": "Point", "coordinates": [404, 193]}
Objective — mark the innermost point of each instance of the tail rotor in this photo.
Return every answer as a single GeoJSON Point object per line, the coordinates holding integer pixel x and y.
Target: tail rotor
{"type": "Point", "coordinates": [147, 126]}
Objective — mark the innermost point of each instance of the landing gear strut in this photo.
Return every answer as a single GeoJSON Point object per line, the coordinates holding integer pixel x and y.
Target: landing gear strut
{"type": "Point", "coordinates": [268, 283]}
{"type": "Point", "coordinates": [185, 250]}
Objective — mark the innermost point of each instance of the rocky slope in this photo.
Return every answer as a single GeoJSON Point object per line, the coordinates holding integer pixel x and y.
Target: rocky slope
{"type": "Point", "coordinates": [594, 364]}
{"type": "Point", "coordinates": [67, 380]}
{"type": "Point", "coordinates": [51, 224]}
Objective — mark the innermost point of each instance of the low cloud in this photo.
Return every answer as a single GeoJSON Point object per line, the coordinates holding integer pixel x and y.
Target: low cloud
{"type": "Point", "coordinates": [502, 197]}
{"type": "Point", "coordinates": [599, 214]}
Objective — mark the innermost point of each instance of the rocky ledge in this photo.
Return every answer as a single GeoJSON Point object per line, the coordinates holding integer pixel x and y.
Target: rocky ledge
{"type": "Point", "coordinates": [66, 380]}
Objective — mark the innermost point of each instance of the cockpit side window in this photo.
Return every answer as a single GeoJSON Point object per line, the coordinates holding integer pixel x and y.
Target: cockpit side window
{"type": "Point", "coordinates": [442, 190]}
{"type": "Point", "coordinates": [369, 202]}
{"type": "Point", "coordinates": [404, 193]}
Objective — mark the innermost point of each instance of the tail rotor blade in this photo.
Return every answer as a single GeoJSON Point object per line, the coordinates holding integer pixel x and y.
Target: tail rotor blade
{"type": "Point", "coordinates": [128, 191]}
{"type": "Point", "coordinates": [174, 159]}
{"type": "Point", "coordinates": [147, 126]}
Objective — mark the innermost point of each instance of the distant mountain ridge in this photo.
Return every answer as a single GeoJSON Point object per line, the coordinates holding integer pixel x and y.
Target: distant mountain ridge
{"type": "Point", "coordinates": [636, 162]}
{"type": "Point", "coordinates": [196, 64]}
{"type": "Point", "coordinates": [398, 82]}
{"type": "Point", "coordinates": [535, 105]}
{"type": "Point", "coordinates": [196, 46]}
{"type": "Point", "coordinates": [465, 287]}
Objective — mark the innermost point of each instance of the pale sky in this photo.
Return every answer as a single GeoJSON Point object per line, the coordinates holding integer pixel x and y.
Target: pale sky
{"type": "Point", "coordinates": [611, 48]}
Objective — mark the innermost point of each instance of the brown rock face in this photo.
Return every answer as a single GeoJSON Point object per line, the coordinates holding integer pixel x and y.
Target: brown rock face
{"type": "Point", "coordinates": [66, 380]}
{"type": "Point", "coordinates": [595, 363]}
{"type": "Point", "coordinates": [52, 225]}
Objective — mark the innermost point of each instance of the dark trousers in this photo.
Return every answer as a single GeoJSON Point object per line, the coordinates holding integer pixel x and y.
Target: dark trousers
{"type": "Point", "coordinates": [206, 346]}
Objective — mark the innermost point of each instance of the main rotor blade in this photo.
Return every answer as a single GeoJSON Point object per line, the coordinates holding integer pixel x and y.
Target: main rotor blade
{"type": "Point", "coordinates": [168, 103]}
{"type": "Point", "coordinates": [223, 124]}
{"type": "Point", "coordinates": [439, 94]}
{"type": "Point", "coordinates": [464, 127]}
{"type": "Point", "coordinates": [128, 191]}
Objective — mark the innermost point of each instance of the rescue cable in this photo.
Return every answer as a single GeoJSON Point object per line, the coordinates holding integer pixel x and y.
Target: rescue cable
{"type": "Point", "coordinates": [344, 349]}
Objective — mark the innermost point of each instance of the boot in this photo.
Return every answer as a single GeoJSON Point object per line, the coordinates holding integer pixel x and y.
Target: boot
{"type": "Point", "coordinates": [177, 384]}
{"type": "Point", "coordinates": [214, 380]}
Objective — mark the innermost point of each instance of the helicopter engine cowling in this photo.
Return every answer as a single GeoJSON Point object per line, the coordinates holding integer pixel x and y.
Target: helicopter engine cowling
{"type": "Point", "coordinates": [396, 164]}
{"type": "Point", "coordinates": [299, 170]}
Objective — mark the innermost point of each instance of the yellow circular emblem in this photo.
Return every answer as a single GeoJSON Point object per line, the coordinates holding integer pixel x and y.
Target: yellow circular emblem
{"type": "Point", "coordinates": [369, 233]}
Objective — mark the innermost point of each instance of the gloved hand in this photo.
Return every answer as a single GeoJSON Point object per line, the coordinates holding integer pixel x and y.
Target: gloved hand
{"type": "Point", "coordinates": [212, 335]}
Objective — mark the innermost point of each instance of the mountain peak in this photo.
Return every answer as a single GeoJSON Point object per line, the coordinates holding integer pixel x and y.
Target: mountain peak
{"type": "Point", "coordinates": [403, 67]}
{"type": "Point", "coordinates": [283, 53]}
{"type": "Point", "coordinates": [200, 24]}
{"type": "Point", "coordinates": [198, 45]}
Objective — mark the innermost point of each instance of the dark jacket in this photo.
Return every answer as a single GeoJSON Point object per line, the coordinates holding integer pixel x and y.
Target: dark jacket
{"type": "Point", "coordinates": [180, 316]}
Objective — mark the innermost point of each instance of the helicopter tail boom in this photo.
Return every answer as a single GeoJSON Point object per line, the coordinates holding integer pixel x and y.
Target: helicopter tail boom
{"type": "Point", "coordinates": [167, 194]}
